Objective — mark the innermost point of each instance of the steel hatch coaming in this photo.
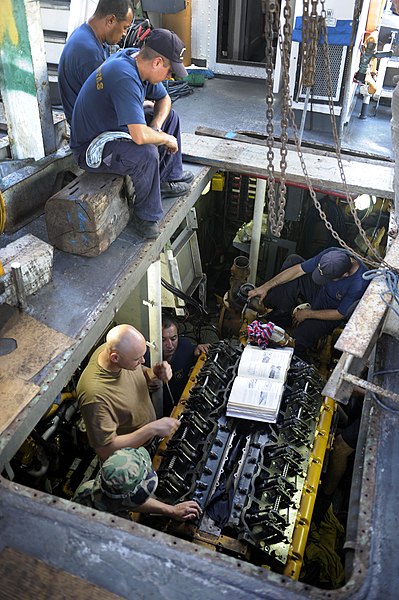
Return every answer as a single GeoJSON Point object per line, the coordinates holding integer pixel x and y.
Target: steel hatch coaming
{"type": "Point", "coordinates": [96, 545]}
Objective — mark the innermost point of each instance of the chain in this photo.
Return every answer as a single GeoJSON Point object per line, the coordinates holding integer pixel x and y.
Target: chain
{"type": "Point", "coordinates": [305, 42]}
{"type": "Point", "coordinates": [313, 195]}
{"type": "Point", "coordinates": [285, 54]}
{"type": "Point", "coordinates": [309, 43]}
{"type": "Point", "coordinates": [270, 22]}
{"type": "Point", "coordinates": [276, 222]}
{"type": "Point", "coordinates": [378, 259]}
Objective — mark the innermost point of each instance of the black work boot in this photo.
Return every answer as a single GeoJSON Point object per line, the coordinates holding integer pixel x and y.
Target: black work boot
{"type": "Point", "coordinates": [145, 229]}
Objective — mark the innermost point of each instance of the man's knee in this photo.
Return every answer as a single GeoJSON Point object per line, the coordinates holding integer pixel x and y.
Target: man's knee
{"type": "Point", "coordinates": [143, 160]}
{"type": "Point", "coordinates": [341, 448]}
{"type": "Point", "coordinates": [291, 260]}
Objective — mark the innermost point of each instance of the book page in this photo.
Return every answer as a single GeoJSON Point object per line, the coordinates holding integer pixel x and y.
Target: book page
{"type": "Point", "coordinates": [267, 364]}
{"type": "Point", "coordinates": [261, 393]}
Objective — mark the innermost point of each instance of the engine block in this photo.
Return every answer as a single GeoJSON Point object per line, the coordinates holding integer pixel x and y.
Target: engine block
{"type": "Point", "coordinates": [247, 476]}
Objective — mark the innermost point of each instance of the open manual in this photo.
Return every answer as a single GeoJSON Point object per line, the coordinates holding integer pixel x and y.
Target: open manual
{"type": "Point", "coordinates": [258, 387]}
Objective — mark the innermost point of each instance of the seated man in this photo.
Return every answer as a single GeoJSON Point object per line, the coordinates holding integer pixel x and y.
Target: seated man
{"type": "Point", "coordinates": [111, 132]}
{"type": "Point", "coordinates": [181, 353]}
{"type": "Point", "coordinates": [331, 282]}
{"type": "Point", "coordinates": [126, 482]}
{"type": "Point", "coordinates": [113, 394]}
{"type": "Point", "coordinates": [88, 47]}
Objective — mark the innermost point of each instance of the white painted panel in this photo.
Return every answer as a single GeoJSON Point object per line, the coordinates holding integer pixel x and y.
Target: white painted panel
{"type": "Point", "coordinates": [55, 19]}
{"type": "Point", "coordinates": [53, 52]}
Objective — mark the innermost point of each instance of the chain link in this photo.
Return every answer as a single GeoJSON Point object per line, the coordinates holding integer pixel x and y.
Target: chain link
{"type": "Point", "coordinates": [309, 43]}
{"type": "Point", "coordinates": [270, 23]}
{"type": "Point", "coordinates": [276, 221]}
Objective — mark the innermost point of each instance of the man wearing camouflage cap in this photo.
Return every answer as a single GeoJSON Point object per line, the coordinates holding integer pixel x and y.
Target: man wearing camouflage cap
{"type": "Point", "coordinates": [126, 482]}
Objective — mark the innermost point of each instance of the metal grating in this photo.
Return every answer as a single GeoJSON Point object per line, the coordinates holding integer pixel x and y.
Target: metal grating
{"type": "Point", "coordinates": [337, 56]}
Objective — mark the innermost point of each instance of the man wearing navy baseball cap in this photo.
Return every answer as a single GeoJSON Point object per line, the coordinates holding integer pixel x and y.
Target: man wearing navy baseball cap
{"type": "Point", "coordinates": [331, 283]}
{"type": "Point", "coordinates": [113, 132]}
{"type": "Point", "coordinates": [170, 46]}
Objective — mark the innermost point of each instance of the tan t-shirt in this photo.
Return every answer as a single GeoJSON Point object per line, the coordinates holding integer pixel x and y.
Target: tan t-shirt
{"type": "Point", "coordinates": [112, 403]}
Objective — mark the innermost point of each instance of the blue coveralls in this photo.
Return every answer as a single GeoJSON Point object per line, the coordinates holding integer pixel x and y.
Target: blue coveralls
{"type": "Point", "coordinates": [111, 98]}
{"type": "Point", "coordinates": [147, 165]}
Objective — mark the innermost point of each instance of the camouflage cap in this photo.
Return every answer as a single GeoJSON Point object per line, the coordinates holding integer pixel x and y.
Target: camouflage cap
{"type": "Point", "coordinates": [127, 477]}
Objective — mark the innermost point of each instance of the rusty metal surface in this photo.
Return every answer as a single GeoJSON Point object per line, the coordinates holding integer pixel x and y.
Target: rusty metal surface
{"type": "Point", "coordinates": [26, 190]}
{"type": "Point", "coordinates": [336, 387]}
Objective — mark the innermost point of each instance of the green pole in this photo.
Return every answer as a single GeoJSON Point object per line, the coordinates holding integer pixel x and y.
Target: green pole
{"type": "Point", "coordinates": [23, 80]}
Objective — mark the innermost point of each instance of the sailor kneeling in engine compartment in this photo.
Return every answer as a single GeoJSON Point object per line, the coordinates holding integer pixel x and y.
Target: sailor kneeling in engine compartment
{"type": "Point", "coordinates": [331, 283]}
{"type": "Point", "coordinates": [126, 482]}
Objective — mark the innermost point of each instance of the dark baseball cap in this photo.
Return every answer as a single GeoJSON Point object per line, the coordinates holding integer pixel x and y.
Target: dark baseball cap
{"type": "Point", "coordinates": [332, 265]}
{"type": "Point", "coordinates": [170, 46]}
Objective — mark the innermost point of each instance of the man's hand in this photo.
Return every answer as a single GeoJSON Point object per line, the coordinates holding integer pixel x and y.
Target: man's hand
{"type": "Point", "coordinates": [154, 384]}
{"type": "Point", "coordinates": [165, 427]}
{"type": "Point", "coordinates": [163, 371]}
{"type": "Point", "coordinates": [186, 511]}
{"type": "Point", "coordinates": [260, 291]}
{"type": "Point", "coordinates": [201, 348]}
{"type": "Point", "coordinates": [300, 315]}
{"type": "Point", "coordinates": [171, 144]}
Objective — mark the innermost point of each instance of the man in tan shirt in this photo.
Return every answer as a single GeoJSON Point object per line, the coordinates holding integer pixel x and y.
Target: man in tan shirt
{"type": "Point", "coordinates": [113, 394]}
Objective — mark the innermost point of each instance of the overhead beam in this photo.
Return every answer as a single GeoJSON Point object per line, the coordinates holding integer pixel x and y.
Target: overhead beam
{"type": "Point", "coordinates": [251, 159]}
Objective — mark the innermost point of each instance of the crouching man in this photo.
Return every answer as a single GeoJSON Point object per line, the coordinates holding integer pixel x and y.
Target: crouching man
{"type": "Point", "coordinates": [126, 482]}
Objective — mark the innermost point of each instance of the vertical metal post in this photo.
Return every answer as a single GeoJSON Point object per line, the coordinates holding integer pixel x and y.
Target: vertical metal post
{"type": "Point", "coordinates": [304, 113]}
{"type": "Point", "coordinates": [256, 229]}
{"type": "Point", "coordinates": [155, 324]}
{"type": "Point", "coordinates": [24, 81]}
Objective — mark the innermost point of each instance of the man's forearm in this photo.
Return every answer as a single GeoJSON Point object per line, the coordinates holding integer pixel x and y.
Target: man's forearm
{"type": "Point", "coordinates": [161, 112]}
{"type": "Point", "coordinates": [129, 440]}
{"type": "Point", "coordinates": [156, 507]}
{"type": "Point", "coordinates": [324, 315]}
{"type": "Point", "coordinates": [285, 276]}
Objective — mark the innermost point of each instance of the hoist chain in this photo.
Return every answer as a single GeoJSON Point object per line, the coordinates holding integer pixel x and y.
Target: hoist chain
{"type": "Point", "coordinates": [276, 221]}
{"type": "Point", "coordinates": [317, 204]}
{"type": "Point", "coordinates": [271, 20]}
{"type": "Point", "coordinates": [309, 43]}
{"type": "Point", "coordinates": [378, 259]}
{"type": "Point", "coordinates": [285, 64]}
{"type": "Point", "coordinates": [314, 38]}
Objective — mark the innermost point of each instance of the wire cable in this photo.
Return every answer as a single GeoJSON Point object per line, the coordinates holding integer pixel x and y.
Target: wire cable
{"type": "Point", "coordinates": [180, 294]}
{"type": "Point", "coordinates": [177, 89]}
{"type": "Point", "coordinates": [382, 404]}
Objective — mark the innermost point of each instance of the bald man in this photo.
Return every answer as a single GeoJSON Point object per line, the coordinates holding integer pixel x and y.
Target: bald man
{"type": "Point", "coordinates": [113, 394]}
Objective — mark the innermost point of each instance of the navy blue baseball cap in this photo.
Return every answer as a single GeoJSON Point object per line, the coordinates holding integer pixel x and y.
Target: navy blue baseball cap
{"type": "Point", "coordinates": [169, 45]}
{"type": "Point", "coordinates": [332, 265]}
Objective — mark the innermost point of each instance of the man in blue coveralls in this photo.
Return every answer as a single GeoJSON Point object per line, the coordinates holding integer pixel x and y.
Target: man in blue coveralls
{"type": "Point", "coordinates": [182, 354]}
{"type": "Point", "coordinates": [88, 47]}
{"type": "Point", "coordinates": [112, 132]}
{"type": "Point", "coordinates": [331, 283]}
